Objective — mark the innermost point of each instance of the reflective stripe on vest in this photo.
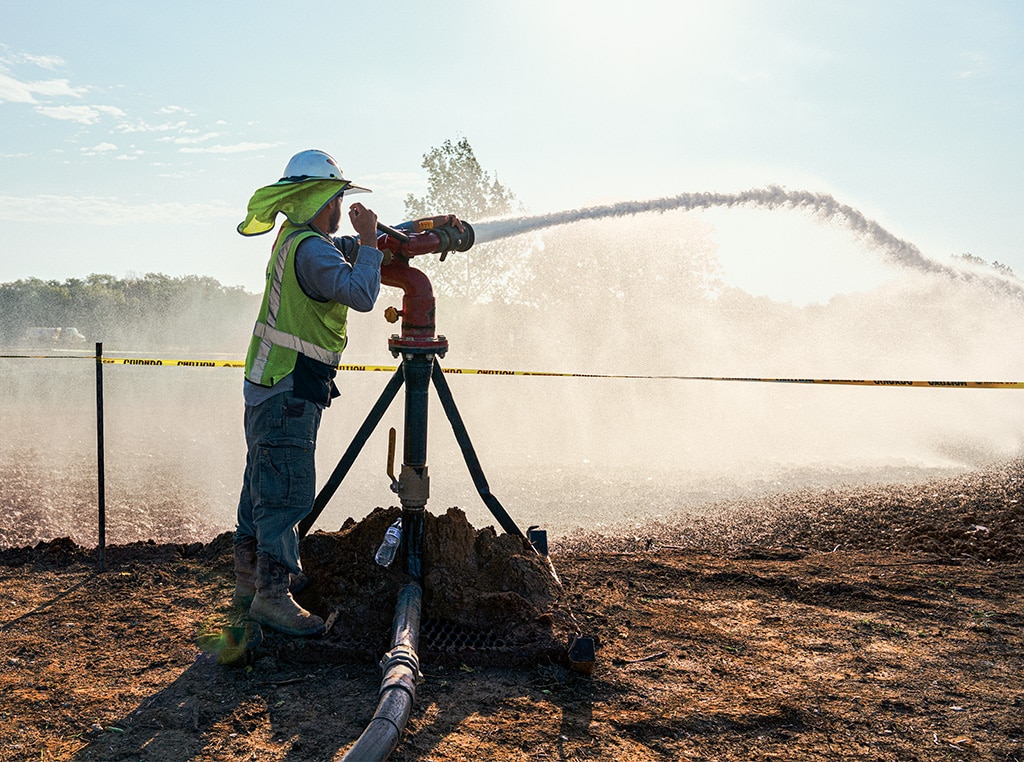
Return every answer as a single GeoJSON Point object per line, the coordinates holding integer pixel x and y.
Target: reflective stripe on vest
{"type": "Point", "coordinates": [274, 336]}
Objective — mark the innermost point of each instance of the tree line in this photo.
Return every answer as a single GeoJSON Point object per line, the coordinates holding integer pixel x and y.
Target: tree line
{"type": "Point", "coordinates": [154, 311]}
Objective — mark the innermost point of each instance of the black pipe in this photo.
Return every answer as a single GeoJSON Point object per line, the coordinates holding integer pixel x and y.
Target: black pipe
{"type": "Point", "coordinates": [417, 388]}
{"type": "Point", "coordinates": [415, 482]}
{"type": "Point", "coordinates": [413, 530]}
{"type": "Point", "coordinates": [401, 668]}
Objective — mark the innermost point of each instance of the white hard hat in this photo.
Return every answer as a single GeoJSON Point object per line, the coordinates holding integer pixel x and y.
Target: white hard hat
{"type": "Point", "coordinates": [316, 165]}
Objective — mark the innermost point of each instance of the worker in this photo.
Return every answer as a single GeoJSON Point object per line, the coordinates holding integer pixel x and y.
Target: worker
{"type": "Point", "coordinates": [312, 280]}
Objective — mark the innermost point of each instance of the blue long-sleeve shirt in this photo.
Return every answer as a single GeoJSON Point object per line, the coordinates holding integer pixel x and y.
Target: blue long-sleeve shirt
{"type": "Point", "coordinates": [326, 272]}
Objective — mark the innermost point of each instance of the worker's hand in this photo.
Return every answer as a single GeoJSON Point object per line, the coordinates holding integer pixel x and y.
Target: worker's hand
{"type": "Point", "coordinates": [364, 222]}
{"type": "Point", "coordinates": [453, 220]}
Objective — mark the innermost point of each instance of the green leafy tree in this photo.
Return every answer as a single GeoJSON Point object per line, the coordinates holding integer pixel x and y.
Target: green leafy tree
{"type": "Point", "coordinates": [457, 184]}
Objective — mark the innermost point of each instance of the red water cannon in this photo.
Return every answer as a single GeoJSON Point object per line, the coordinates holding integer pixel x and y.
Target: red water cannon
{"type": "Point", "coordinates": [429, 235]}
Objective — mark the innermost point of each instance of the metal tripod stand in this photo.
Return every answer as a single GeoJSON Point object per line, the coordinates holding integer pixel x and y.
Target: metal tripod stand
{"type": "Point", "coordinates": [417, 369]}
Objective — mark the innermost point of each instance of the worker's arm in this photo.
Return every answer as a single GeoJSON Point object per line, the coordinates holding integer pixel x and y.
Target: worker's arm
{"type": "Point", "coordinates": [325, 275]}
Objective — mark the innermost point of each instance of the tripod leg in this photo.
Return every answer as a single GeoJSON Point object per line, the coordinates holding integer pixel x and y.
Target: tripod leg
{"type": "Point", "coordinates": [341, 470]}
{"type": "Point", "coordinates": [472, 462]}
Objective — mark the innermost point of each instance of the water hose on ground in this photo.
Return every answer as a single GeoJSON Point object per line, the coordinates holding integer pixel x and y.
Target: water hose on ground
{"type": "Point", "coordinates": [401, 668]}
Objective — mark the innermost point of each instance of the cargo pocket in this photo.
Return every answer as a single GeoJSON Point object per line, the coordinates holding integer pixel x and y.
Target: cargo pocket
{"type": "Point", "coordinates": [286, 476]}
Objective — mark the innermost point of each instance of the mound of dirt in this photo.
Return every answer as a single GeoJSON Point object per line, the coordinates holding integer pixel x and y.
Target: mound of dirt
{"type": "Point", "coordinates": [480, 588]}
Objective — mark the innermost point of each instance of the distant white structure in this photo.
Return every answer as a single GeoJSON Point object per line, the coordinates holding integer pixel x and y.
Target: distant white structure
{"type": "Point", "coordinates": [63, 336]}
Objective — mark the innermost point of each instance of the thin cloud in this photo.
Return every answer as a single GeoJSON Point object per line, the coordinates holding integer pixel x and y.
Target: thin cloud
{"type": "Point", "coordinates": [43, 62]}
{"type": "Point", "coordinates": [174, 110]}
{"type": "Point", "coordinates": [98, 149]}
{"type": "Point", "coordinates": [81, 114]}
{"type": "Point", "coordinates": [140, 125]}
{"type": "Point", "coordinates": [189, 140]}
{"type": "Point", "coordinates": [236, 148]}
{"type": "Point", "coordinates": [99, 210]}
{"type": "Point", "coordinates": [16, 91]}
{"type": "Point", "coordinates": [974, 65]}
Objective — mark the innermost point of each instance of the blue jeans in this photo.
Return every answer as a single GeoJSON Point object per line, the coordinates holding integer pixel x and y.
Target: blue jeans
{"type": "Point", "coordinates": [279, 484]}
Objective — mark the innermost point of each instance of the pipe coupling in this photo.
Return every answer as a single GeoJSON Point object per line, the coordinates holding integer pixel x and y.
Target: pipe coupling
{"type": "Point", "coordinates": [414, 486]}
{"type": "Point", "coordinates": [401, 656]}
{"type": "Point", "coordinates": [401, 667]}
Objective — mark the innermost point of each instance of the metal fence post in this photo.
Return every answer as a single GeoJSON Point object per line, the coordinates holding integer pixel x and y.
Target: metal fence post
{"type": "Point", "coordinates": [100, 480]}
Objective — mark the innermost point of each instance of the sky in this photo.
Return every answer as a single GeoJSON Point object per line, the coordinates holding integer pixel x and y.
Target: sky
{"type": "Point", "coordinates": [133, 133]}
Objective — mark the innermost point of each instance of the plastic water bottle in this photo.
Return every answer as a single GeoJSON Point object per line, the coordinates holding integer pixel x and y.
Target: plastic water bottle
{"type": "Point", "coordinates": [388, 548]}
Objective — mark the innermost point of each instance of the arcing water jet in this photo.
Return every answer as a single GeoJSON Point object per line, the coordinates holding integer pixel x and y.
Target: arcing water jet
{"type": "Point", "coordinates": [822, 205]}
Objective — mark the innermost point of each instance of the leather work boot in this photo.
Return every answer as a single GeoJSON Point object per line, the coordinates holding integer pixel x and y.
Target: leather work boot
{"type": "Point", "coordinates": [273, 604]}
{"type": "Point", "coordinates": [245, 573]}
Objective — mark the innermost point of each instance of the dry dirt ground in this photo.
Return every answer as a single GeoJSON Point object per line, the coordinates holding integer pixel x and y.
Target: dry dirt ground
{"type": "Point", "coordinates": [865, 623]}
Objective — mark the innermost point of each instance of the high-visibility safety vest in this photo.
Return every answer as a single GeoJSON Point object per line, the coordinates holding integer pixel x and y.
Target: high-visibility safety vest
{"type": "Point", "coordinates": [290, 323]}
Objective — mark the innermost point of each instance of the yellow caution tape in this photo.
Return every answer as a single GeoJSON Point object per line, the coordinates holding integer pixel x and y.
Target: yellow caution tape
{"type": "Point", "coordinates": [868, 382]}
{"type": "Point", "coordinates": [834, 381]}
{"type": "Point", "coordinates": [488, 372]}
{"type": "Point", "coordinates": [173, 363]}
